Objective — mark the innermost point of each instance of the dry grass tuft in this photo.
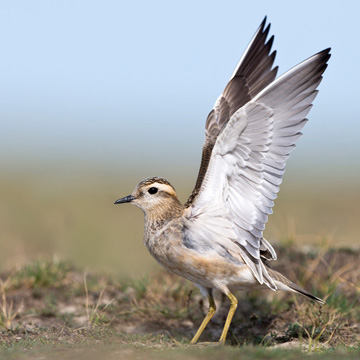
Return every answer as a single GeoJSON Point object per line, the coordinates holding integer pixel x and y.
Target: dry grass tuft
{"type": "Point", "coordinates": [7, 312]}
{"type": "Point", "coordinates": [95, 312]}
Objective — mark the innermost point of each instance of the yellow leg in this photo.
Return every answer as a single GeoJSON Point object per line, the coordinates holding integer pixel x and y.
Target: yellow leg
{"type": "Point", "coordinates": [233, 307]}
{"type": "Point", "coordinates": [210, 314]}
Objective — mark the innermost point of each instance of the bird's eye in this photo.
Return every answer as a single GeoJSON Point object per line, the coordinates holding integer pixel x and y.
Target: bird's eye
{"type": "Point", "coordinates": [153, 190]}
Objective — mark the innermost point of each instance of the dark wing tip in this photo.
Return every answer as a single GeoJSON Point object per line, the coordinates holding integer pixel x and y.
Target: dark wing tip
{"type": "Point", "coordinates": [322, 58]}
{"type": "Point", "coordinates": [326, 51]}
{"type": "Point", "coordinates": [270, 42]}
{"type": "Point", "coordinates": [324, 55]}
{"type": "Point", "coordinates": [262, 25]}
{"type": "Point", "coordinates": [265, 32]}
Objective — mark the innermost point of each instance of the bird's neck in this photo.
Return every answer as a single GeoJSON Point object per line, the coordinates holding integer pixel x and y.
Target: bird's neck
{"type": "Point", "coordinates": [157, 218]}
{"type": "Point", "coordinates": [165, 212]}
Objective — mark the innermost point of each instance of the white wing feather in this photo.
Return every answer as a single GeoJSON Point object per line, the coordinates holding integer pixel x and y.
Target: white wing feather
{"type": "Point", "coordinates": [248, 161]}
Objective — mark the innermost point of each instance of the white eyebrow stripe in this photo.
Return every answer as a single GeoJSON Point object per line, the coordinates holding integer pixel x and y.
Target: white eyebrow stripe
{"type": "Point", "coordinates": [163, 187]}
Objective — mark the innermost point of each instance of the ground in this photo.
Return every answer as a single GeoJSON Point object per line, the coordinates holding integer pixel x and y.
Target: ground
{"type": "Point", "coordinates": [51, 307]}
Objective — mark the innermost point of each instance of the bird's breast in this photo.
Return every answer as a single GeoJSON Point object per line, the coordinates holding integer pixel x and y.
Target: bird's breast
{"type": "Point", "coordinates": [209, 270]}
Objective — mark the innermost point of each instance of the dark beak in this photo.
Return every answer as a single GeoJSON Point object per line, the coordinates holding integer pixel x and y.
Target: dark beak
{"type": "Point", "coordinates": [125, 199]}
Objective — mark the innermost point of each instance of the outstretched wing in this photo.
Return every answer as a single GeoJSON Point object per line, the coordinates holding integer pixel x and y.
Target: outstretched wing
{"type": "Point", "coordinates": [252, 74]}
{"type": "Point", "coordinates": [249, 156]}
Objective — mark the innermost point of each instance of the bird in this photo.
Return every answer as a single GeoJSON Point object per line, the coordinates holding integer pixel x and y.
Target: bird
{"type": "Point", "coordinates": [216, 238]}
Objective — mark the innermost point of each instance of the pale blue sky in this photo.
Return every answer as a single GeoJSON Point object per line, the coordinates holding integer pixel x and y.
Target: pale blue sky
{"type": "Point", "coordinates": [132, 82]}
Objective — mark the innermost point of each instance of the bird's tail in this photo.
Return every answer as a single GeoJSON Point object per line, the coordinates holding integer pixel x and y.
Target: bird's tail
{"type": "Point", "coordinates": [284, 283]}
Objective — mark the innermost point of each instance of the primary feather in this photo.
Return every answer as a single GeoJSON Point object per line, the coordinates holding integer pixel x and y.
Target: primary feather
{"type": "Point", "coordinates": [252, 74]}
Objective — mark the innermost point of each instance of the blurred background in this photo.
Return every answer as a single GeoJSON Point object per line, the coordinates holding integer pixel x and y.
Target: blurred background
{"type": "Point", "coordinates": [97, 95]}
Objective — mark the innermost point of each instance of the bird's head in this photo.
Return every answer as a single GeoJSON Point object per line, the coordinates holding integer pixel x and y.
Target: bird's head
{"type": "Point", "coordinates": [155, 196]}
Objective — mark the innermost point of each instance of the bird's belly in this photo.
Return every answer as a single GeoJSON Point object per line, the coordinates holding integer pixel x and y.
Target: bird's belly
{"type": "Point", "coordinates": [209, 270]}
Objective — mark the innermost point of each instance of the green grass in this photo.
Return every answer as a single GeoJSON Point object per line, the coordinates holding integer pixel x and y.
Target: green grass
{"type": "Point", "coordinates": [40, 274]}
